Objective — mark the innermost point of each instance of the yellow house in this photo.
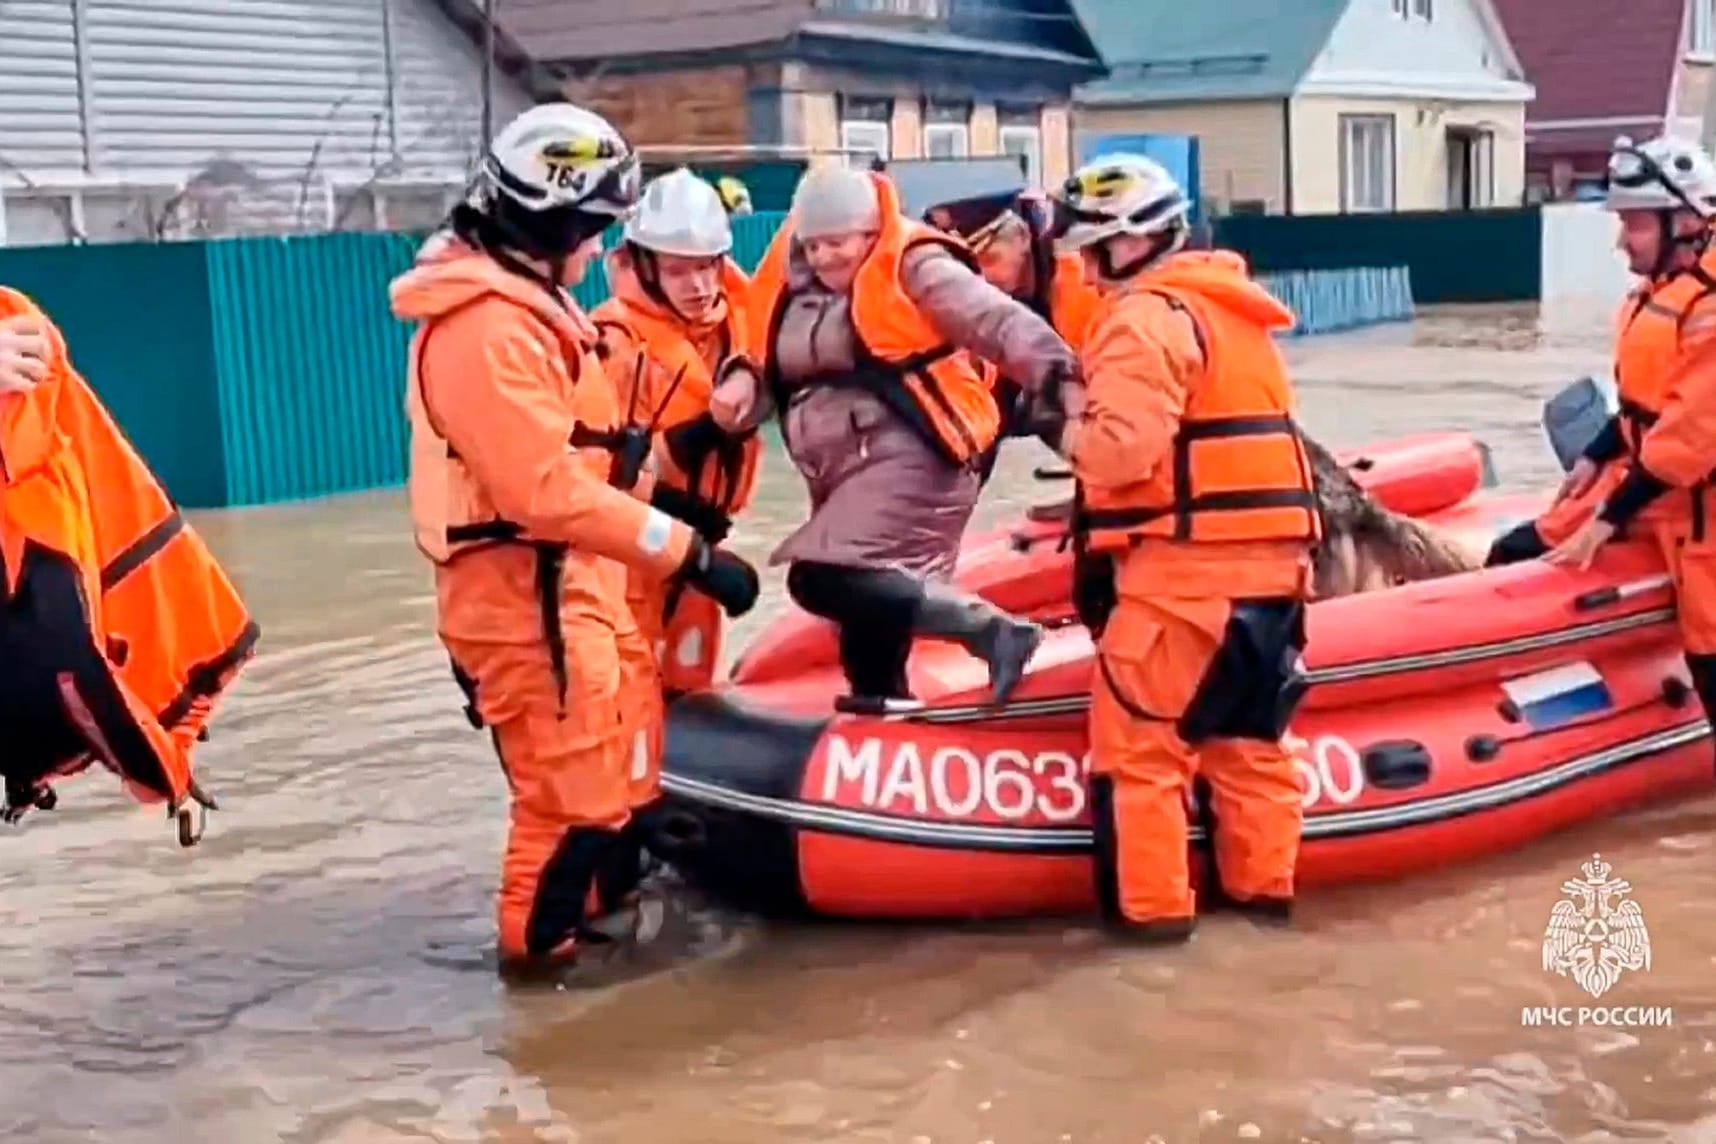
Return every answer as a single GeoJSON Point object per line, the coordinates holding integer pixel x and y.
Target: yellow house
{"type": "Point", "coordinates": [1316, 106]}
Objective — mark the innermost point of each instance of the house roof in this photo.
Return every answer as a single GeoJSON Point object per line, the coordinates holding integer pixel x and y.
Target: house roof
{"type": "Point", "coordinates": [565, 31]}
{"type": "Point", "coordinates": [1169, 51]}
{"type": "Point", "coordinates": [1595, 59]}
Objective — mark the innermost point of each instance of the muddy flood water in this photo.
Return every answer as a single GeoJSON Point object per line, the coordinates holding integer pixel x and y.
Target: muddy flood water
{"type": "Point", "coordinates": [319, 970]}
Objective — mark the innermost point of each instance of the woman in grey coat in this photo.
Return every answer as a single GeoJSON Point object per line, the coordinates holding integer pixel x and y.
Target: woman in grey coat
{"type": "Point", "coordinates": [888, 509]}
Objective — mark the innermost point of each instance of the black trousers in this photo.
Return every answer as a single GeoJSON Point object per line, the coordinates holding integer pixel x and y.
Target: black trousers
{"type": "Point", "coordinates": [876, 609]}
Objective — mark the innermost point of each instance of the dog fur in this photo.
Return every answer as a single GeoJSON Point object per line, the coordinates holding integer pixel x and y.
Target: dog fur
{"type": "Point", "coordinates": [1365, 546]}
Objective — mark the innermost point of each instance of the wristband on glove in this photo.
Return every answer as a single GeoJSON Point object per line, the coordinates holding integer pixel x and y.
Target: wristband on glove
{"type": "Point", "coordinates": [709, 522]}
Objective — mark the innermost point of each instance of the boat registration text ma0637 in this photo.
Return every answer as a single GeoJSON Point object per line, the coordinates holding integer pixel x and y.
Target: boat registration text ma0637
{"type": "Point", "coordinates": [1001, 782]}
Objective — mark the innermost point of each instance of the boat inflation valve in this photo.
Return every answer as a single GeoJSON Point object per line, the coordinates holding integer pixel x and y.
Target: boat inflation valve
{"type": "Point", "coordinates": [1483, 748]}
{"type": "Point", "coordinates": [1396, 765]}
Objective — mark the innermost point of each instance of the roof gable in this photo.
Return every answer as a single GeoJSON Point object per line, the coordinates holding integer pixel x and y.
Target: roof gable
{"type": "Point", "coordinates": [1461, 54]}
{"type": "Point", "coordinates": [1162, 51]}
{"type": "Point", "coordinates": [1596, 59]}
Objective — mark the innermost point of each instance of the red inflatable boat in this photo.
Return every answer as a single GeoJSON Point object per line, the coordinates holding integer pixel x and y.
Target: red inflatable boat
{"type": "Point", "coordinates": [1446, 720]}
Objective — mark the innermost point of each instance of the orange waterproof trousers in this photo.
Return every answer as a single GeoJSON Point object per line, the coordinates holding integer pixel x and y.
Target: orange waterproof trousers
{"type": "Point", "coordinates": [643, 711]}
{"type": "Point", "coordinates": [686, 641]}
{"type": "Point", "coordinates": [1155, 651]}
{"type": "Point", "coordinates": [1692, 562]}
{"type": "Point", "coordinates": [665, 659]}
{"type": "Point", "coordinates": [567, 770]}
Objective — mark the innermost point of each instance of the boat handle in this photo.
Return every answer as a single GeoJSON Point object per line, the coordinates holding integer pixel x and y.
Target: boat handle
{"type": "Point", "coordinates": [1616, 593]}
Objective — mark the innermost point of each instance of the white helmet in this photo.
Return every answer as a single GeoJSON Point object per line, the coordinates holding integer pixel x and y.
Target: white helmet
{"type": "Point", "coordinates": [681, 214]}
{"type": "Point", "coordinates": [1662, 174]}
{"type": "Point", "coordinates": [562, 155]}
{"type": "Point", "coordinates": [1118, 194]}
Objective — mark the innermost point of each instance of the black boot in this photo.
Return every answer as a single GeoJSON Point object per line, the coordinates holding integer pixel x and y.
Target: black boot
{"type": "Point", "coordinates": [1006, 644]}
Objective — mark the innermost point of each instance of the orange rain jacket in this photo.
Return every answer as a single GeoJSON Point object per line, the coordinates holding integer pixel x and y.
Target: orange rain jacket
{"type": "Point", "coordinates": [108, 585]}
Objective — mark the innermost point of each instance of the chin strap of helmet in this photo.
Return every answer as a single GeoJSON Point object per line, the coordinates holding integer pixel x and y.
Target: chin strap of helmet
{"type": "Point", "coordinates": [649, 277]}
{"type": "Point", "coordinates": [501, 228]}
{"type": "Point", "coordinates": [1672, 244]}
{"type": "Point", "coordinates": [1160, 247]}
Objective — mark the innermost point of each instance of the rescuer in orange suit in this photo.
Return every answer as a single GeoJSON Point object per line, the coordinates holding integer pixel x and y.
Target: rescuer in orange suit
{"type": "Point", "coordinates": [677, 319]}
{"type": "Point", "coordinates": [118, 629]}
{"type": "Point", "coordinates": [525, 492]}
{"type": "Point", "coordinates": [1653, 467]}
{"type": "Point", "coordinates": [1011, 234]}
{"type": "Point", "coordinates": [1195, 499]}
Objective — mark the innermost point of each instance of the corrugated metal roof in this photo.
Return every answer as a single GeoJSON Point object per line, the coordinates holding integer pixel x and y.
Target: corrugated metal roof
{"type": "Point", "coordinates": [1595, 59]}
{"type": "Point", "coordinates": [1169, 51]}
{"type": "Point", "coordinates": [946, 42]}
{"type": "Point", "coordinates": [570, 30]}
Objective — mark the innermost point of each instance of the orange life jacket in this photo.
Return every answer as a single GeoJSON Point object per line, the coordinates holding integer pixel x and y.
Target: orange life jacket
{"type": "Point", "coordinates": [725, 478]}
{"type": "Point", "coordinates": [1238, 471]}
{"type": "Point", "coordinates": [452, 514]}
{"type": "Point", "coordinates": [450, 511]}
{"type": "Point", "coordinates": [1071, 302]}
{"type": "Point", "coordinates": [938, 389]}
{"type": "Point", "coordinates": [118, 629]}
{"type": "Point", "coordinates": [1647, 343]}
{"type": "Point", "coordinates": [1647, 351]}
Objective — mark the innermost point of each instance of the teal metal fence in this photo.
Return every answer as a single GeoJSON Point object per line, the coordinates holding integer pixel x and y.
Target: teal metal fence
{"type": "Point", "coordinates": [250, 371]}
{"type": "Point", "coordinates": [1329, 300]}
{"type": "Point", "coordinates": [1492, 255]}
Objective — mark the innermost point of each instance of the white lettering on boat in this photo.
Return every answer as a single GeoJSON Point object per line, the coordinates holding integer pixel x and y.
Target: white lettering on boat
{"type": "Point", "coordinates": [951, 782]}
{"type": "Point", "coordinates": [1012, 785]}
{"type": "Point", "coordinates": [1331, 770]}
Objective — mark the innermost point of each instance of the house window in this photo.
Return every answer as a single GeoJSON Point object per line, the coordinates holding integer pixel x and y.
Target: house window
{"type": "Point", "coordinates": [947, 131]}
{"type": "Point", "coordinates": [946, 140]}
{"type": "Point", "coordinates": [869, 140]}
{"type": "Point", "coordinates": [1022, 136]}
{"type": "Point", "coordinates": [864, 133]}
{"type": "Point", "coordinates": [1367, 163]}
{"type": "Point", "coordinates": [1698, 32]}
{"type": "Point", "coordinates": [1026, 143]}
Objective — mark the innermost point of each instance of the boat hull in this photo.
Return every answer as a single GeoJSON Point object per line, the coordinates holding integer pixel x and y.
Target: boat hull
{"type": "Point", "coordinates": [1445, 721]}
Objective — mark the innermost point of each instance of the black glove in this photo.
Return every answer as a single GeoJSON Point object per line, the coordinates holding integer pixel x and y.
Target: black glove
{"type": "Point", "coordinates": [1094, 595]}
{"type": "Point", "coordinates": [1044, 414]}
{"type": "Point", "coordinates": [709, 521]}
{"type": "Point", "coordinates": [723, 577]}
{"type": "Point", "coordinates": [1010, 400]}
{"type": "Point", "coordinates": [689, 443]}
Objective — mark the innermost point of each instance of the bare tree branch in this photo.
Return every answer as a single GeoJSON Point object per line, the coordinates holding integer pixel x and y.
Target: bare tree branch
{"type": "Point", "coordinates": [62, 209]}
{"type": "Point", "coordinates": [315, 159]}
